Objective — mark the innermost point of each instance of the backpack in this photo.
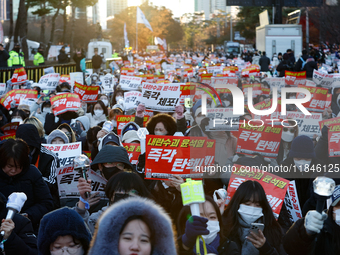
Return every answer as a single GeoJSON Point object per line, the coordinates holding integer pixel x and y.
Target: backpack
{"type": "Point", "coordinates": [303, 63]}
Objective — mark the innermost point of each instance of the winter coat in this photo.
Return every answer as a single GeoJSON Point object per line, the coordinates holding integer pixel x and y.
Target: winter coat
{"type": "Point", "coordinates": [264, 63]}
{"type": "Point", "coordinates": [284, 65]}
{"type": "Point", "coordinates": [3, 58]}
{"type": "Point", "coordinates": [106, 237]}
{"type": "Point", "coordinates": [299, 63]}
{"type": "Point", "coordinates": [45, 160]}
{"type": "Point", "coordinates": [77, 60]}
{"type": "Point", "coordinates": [256, 60]}
{"type": "Point", "coordinates": [297, 242]}
{"type": "Point", "coordinates": [94, 120]}
{"type": "Point", "coordinates": [310, 66]}
{"type": "Point", "coordinates": [39, 200]}
{"type": "Point", "coordinates": [96, 61]}
{"type": "Point", "coordinates": [62, 57]}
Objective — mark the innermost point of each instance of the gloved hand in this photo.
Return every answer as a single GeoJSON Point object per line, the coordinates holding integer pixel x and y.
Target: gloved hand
{"type": "Point", "coordinates": [179, 109]}
{"type": "Point", "coordinates": [314, 222]}
{"type": "Point", "coordinates": [141, 163]}
{"type": "Point", "coordinates": [187, 115]}
{"type": "Point", "coordinates": [195, 226]}
{"type": "Point", "coordinates": [140, 110]}
{"type": "Point", "coordinates": [204, 123]}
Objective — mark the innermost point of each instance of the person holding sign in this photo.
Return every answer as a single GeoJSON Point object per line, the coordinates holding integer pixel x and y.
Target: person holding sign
{"type": "Point", "coordinates": [140, 227]}
{"type": "Point", "coordinates": [249, 205]}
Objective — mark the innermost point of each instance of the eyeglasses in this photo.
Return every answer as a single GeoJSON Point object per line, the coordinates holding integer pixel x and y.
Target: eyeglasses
{"type": "Point", "coordinates": [62, 250]}
{"type": "Point", "coordinates": [285, 129]}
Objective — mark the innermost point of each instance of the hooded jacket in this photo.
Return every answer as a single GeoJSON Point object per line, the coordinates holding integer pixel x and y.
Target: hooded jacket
{"type": "Point", "coordinates": [106, 238]}
{"type": "Point", "coordinates": [45, 160]}
{"type": "Point", "coordinates": [62, 57]}
{"type": "Point", "coordinates": [94, 120]}
{"type": "Point", "coordinates": [111, 153]}
{"type": "Point", "coordinates": [39, 200]}
{"type": "Point", "coordinates": [22, 239]}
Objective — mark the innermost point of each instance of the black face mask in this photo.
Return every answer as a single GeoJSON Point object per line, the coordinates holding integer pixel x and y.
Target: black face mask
{"type": "Point", "coordinates": [108, 172]}
{"type": "Point", "coordinates": [17, 49]}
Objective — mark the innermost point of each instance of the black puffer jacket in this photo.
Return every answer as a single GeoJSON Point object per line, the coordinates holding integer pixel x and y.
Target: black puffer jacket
{"type": "Point", "coordinates": [30, 181]}
{"type": "Point", "coordinates": [22, 239]}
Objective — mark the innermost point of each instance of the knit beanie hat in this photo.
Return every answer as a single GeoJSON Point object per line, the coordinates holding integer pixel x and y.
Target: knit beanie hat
{"type": "Point", "coordinates": [197, 108]}
{"type": "Point", "coordinates": [85, 121]}
{"type": "Point", "coordinates": [57, 133]}
{"type": "Point", "coordinates": [62, 222]}
{"type": "Point", "coordinates": [302, 147]}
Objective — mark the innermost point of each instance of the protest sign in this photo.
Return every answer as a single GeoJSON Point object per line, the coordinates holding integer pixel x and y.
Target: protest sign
{"type": "Point", "coordinates": [161, 97]}
{"type": "Point", "coordinates": [65, 102]}
{"type": "Point", "coordinates": [333, 140]}
{"type": "Point", "coordinates": [317, 103]}
{"type": "Point", "coordinates": [252, 70]}
{"type": "Point", "coordinates": [274, 186]}
{"type": "Point", "coordinates": [86, 93]}
{"type": "Point", "coordinates": [256, 89]}
{"type": "Point", "coordinates": [329, 122]}
{"type": "Point", "coordinates": [130, 82]}
{"type": "Point", "coordinates": [76, 77]}
{"type": "Point", "coordinates": [122, 120]}
{"type": "Point", "coordinates": [132, 99]}
{"type": "Point", "coordinates": [49, 70]}
{"type": "Point", "coordinates": [10, 128]}
{"type": "Point", "coordinates": [292, 203]}
{"type": "Point", "coordinates": [178, 155]}
{"type": "Point", "coordinates": [67, 180]}
{"type": "Point", "coordinates": [65, 152]}
{"type": "Point", "coordinates": [133, 150]}
{"type": "Point", "coordinates": [49, 81]}
{"type": "Point", "coordinates": [295, 78]}
{"type": "Point", "coordinates": [2, 88]}
{"type": "Point", "coordinates": [222, 119]}
{"type": "Point", "coordinates": [187, 91]}
{"type": "Point", "coordinates": [5, 137]}
{"type": "Point", "coordinates": [224, 80]}
{"type": "Point", "coordinates": [325, 80]}
{"type": "Point", "coordinates": [108, 82]}
{"type": "Point", "coordinates": [276, 82]}
{"type": "Point", "coordinates": [19, 76]}
{"type": "Point", "coordinates": [17, 94]}
{"type": "Point", "coordinates": [65, 78]}
{"type": "Point", "coordinates": [264, 140]}
{"type": "Point", "coordinates": [129, 71]}
{"type": "Point", "coordinates": [214, 70]}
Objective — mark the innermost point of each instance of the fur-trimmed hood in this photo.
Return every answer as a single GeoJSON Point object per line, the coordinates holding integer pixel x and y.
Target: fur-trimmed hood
{"type": "Point", "coordinates": [106, 237]}
{"type": "Point", "coordinates": [168, 122]}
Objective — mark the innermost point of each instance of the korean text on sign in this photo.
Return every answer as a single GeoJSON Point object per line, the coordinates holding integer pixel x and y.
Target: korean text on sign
{"type": "Point", "coordinates": [65, 102]}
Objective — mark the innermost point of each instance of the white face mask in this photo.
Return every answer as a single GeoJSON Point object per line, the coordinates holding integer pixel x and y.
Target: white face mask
{"type": "Point", "coordinates": [301, 164]}
{"type": "Point", "coordinates": [227, 103]}
{"type": "Point", "coordinates": [98, 113]}
{"type": "Point", "coordinates": [337, 216]}
{"type": "Point", "coordinates": [17, 120]}
{"type": "Point", "coordinates": [250, 213]}
{"type": "Point", "coordinates": [214, 228]}
{"type": "Point", "coordinates": [118, 97]}
{"type": "Point", "coordinates": [114, 122]}
{"type": "Point", "coordinates": [76, 251]}
{"type": "Point", "coordinates": [287, 136]}
{"type": "Point", "coordinates": [47, 110]}
{"type": "Point", "coordinates": [160, 133]}
{"type": "Point", "coordinates": [105, 101]}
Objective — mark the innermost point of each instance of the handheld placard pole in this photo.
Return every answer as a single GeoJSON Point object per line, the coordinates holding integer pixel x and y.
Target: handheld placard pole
{"type": "Point", "coordinates": [142, 132]}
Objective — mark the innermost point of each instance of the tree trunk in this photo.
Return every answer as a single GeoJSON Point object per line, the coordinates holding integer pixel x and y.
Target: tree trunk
{"type": "Point", "coordinates": [21, 27]}
{"type": "Point", "coordinates": [42, 29]}
{"type": "Point", "coordinates": [72, 29]}
{"type": "Point", "coordinates": [10, 34]}
{"type": "Point", "coordinates": [52, 32]}
{"type": "Point", "coordinates": [64, 25]}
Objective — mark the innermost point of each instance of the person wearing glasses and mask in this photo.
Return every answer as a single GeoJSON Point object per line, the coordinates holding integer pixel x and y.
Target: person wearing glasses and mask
{"type": "Point", "coordinates": [288, 135]}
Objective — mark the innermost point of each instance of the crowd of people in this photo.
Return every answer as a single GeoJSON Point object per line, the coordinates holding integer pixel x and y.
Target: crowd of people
{"type": "Point", "coordinates": [146, 216]}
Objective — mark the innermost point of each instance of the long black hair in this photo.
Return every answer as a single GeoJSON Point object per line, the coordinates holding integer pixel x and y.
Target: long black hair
{"type": "Point", "coordinates": [335, 230]}
{"type": "Point", "coordinates": [16, 149]}
{"type": "Point", "coordinates": [254, 192]}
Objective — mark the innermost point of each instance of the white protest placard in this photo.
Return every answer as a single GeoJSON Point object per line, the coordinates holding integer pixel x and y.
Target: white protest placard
{"type": "Point", "coordinates": [130, 82]}
{"type": "Point", "coordinates": [215, 70]}
{"type": "Point", "coordinates": [222, 119]}
{"type": "Point", "coordinates": [27, 101]}
{"type": "Point", "coordinates": [310, 83]}
{"type": "Point", "coordinates": [276, 82]}
{"type": "Point", "coordinates": [89, 71]}
{"type": "Point", "coordinates": [132, 99]}
{"type": "Point", "coordinates": [49, 70]}
{"type": "Point", "coordinates": [65, 152]}
{"type": "Point", "coordinates": [108, 82]}
{"type": "Point", "coordinates": [49, 81]}
{"type": "Point", "coordinates": [67, 180]}
{"type": "Point", "coordinates": [325, 80]}
{"type": "Point", "coordinates": [308, 124]}
{"type": "Point", "coordinates": [2, 88]}
{"type": "Point", "coordinates": [76, 77]}
{"type": "Point", "coordinates": [224, 81]}
{"type": "Point", "coordinates": [292, 202]}
{"type": "Point", "coordinates": [160, 97]}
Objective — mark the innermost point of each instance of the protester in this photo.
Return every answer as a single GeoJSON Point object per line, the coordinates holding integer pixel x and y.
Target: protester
{"type": "Point", "coordinates": [141, 227]}
{"type": "Point", "coordinates": [57, 137]}
{"type": "Point", "coordinates": [96, 62]}
{"type": "Point", "coordinates": [77, 57]}
{"type": "Point", "coordinates": [264, 62]}
{"type": "Point", "coordinates": [3, 56]}
{"type": "Point", "coordinates": [40, 127]}
{"type": "Point", "coordinates": [98, 114]}
{"type": "Point", "coordinates": [63, 231]}
{"type": "Point", "coordinates": [62, 57]}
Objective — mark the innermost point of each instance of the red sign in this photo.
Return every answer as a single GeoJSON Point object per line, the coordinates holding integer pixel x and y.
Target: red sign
{"type": "Point", "coordinates": [10, 128]}
{"type": "Point", "coordinates": [16, 95]}
{"type": "Point", "coordinates": [5, 137]}
{"type": "Point", "coordinates": [295, 78]}
{"type": "Point", "coordinates": [133, 150]}
{"type": "Point", "coordinates": [329, 122]}
{"type": "Point", "coordinates": [65, 102]}
{"type": "Point", "coordinates": [19, 76]}
{"type": "Point", "coordinates": [274, 186]}
{"type": "Point", "coordinates": [65, 78]}
{"type": "Point", "coordinates": [264, 140]}
{"type": "Point", "coordinates": [122, 120]}
{"type": "Point", "coordinates": [333, 140]}
{"type": "Point", "coordinates": [86, 93]}
{"type": "Point", "coordinates": [257, 89]}
{"type": "Point", "coordinates": [178, 155]}
{"type": "Point", "coordinates": [318, 100]}
{"type": "Point", "coordinates": [253, 70]}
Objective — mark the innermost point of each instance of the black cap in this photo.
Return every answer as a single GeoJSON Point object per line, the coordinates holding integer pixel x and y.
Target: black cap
{"type": "Point", "coordinates": [17, 45]}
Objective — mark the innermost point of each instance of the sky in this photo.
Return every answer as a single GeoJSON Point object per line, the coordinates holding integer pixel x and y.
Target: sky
{"type": "Point", "coordinates": [178, 7]}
